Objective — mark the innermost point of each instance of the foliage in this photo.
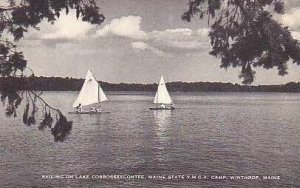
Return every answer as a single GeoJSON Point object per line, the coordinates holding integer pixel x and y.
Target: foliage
{"type": "Point", "coordinates": [19, 15]}
{"type": "Point", "coordinates": [16, 17]}
{"type": "Point", "coordinates": [245, 34]}
{"type": "Point", "coordinates": [12, 98]}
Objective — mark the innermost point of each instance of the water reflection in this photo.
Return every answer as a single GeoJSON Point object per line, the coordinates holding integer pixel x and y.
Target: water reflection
{"type": "Point", "coordinates": [162, 124]}
{"type": "Point", "coordinates": [162, 119]}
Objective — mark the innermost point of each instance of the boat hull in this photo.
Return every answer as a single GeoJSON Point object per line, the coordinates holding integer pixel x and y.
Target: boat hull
{"type": "Point", "coordinates": [91, 113]}
{"type": "Point", "coordinates": [157, 108]}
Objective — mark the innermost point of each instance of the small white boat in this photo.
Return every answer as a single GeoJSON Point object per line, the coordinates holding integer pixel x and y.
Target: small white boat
{"type": "Point", "coordinates": [162, 99]}
{"type": "Point", "coordinates": [91, 94]}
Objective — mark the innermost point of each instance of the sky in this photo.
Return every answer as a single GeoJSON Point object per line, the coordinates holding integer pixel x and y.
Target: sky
{"type": "Point", "coordinates": [139, 41]}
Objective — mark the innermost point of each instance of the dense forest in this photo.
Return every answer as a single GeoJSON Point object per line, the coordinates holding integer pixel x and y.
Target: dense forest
{"type": "Point", "coordinates": [72, 84]}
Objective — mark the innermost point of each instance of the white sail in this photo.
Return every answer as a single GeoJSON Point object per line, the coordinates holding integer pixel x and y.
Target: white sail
{"type": "Point", "coordinates": [162, 95]}
{"type": "Point", "coordinates": [91, 92]}
{"type": "Point", "coordinates": [102, 96]}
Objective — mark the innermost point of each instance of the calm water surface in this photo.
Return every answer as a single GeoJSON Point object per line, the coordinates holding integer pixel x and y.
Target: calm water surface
{"type": "Point", "coordinates": [211, 134]}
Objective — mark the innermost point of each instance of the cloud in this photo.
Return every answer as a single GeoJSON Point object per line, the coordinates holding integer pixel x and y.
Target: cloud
{"type": "Point", "coordinates": [296, 35]}
{"type": "Point", "coordinates": [125, 26]}
{"type": "Point", "coordinates": [68, 28]}
{"type": "Point", "coordinates": [203, 32]}
{"type": "Point", "coordinates": [184, 44]}
{"type": "Point", "coordinates": [180, 34]}
{"type": "Point", "coordinates": [177, 38]}
{"type": "Point", "coordinates": [180, 39]}
{"type": "Point", "coordinates": [292, 18]}
{"type": "Point", "coordinates": [290, 4]}
{"type": "Point", "coordinates": [141, 46]}
{"type": "Point", "coordinates": [64, 30]}
{"type": "Point", "coordinates": [171, 34]}
{"type": "Point", "coordinates": [174, 40]}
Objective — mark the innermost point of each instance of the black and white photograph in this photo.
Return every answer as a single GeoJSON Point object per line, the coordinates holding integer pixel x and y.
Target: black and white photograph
{"type": "Point", "coordinates": [149, 93]}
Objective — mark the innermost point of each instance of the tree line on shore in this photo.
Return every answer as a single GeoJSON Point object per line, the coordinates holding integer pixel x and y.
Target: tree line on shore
{"type": "Point", "coordinates": [73, 84]}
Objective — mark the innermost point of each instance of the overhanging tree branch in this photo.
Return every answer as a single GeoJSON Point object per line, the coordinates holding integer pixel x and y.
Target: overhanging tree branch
{"type": "Point", "coordinates": [15, 19]}
{"type": "Point", "coordinates": [249, 36]}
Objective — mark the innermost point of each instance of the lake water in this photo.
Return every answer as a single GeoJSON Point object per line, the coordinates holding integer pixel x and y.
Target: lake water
{"type": "Point", "coordinates": [212, 134]}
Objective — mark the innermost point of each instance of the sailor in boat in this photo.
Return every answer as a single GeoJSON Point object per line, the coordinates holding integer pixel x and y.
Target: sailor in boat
{"type": "Point", "coordinates": [162, 106]}
{"type": "Point", "coordinates": [172, 105]}
{"type": "Point", "coordinates": [79, 108]}
{"type": "Point", "coordinates": [91, 93]}
{"type": "Point", "coordinates": [95, 110]}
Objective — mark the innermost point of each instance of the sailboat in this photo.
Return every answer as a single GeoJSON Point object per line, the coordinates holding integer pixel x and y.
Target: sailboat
{"type": "Point", "coordinates": [162, 99]}
{"type": "Point", "coordinates": [91, 94]}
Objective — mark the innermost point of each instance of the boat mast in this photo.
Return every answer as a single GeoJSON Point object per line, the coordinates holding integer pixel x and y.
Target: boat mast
{"type": "Point", "coordinates": [160, 72]}
{"type": "Point", "coordinates": [157, 95]}
{"type": "Point", "coordinates": [99, 94]}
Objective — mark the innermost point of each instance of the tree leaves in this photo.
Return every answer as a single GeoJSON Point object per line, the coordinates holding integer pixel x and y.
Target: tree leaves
{"type": "Point", "coordinates": [245, 35]}
{"type": "Point", "coordinates": [12, 99]}
{"type": "Point", "coordinates": [247, 74]}
{"type": "Point", "coordinates": [77, 12]}
{"type": "Point", "coordinates": [67, 10]}
{"type": "Point", "coordinates": [17, 61]}
{"type": "Point", "coordinates": [11, 62]}
{"type": "Point", "coordinates": [25, 114]}
{"type": "Point", "coordinates": [15, 19]}
{"type": "Point", "coordinates": [61, 129]}
{"type": "Point", "coordinates": [279, 7]}
{"type": "Point", "coordinates": [31, 119]}
{"type": "Point", "coordinates": [18, 17]}
{"type": "Point", "coordinates": [46, 121]}
{"type": "Point", "coordinates": [213, 5]}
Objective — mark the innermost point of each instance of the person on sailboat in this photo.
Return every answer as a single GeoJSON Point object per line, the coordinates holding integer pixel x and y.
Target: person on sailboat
{"type": "Point", "coordinates": [162, 106]}
{"type": "Point", "coordinates": [79, 108]}
{"type": "Point", "coordinates": [172, 105]}
{"type": "Point", "coordinates": [93, 109]}
{"type": "Point", "coordinates": [91, 93]}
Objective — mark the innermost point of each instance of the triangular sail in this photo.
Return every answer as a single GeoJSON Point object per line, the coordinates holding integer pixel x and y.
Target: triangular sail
{"type": "Point", "coordinates": [162, 95]}
{"type": "Point", "coordinates": [102, 96]}
{"type": "Point", "coordinates": [91, 92]}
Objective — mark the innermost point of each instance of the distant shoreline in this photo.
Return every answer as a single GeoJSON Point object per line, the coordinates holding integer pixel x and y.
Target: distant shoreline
{"type": "Point", "coordinates": [73, 84]}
